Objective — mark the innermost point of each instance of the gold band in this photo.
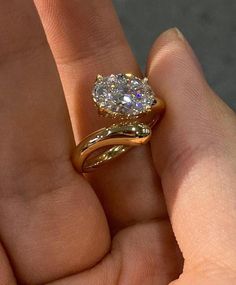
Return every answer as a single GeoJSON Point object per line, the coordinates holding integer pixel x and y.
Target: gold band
{"type": "Point", "coordinates": [117, 139]}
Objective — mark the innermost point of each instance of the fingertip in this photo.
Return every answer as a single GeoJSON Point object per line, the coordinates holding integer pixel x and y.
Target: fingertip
{"type": "Point", "coordinates": [171, 35]}
{"type": "Point", "coordinates": [175, 77]}
{"type": "Point", "coordinates": [173, 45]}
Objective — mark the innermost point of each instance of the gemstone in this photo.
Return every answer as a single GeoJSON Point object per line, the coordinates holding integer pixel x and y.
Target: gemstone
{"type": "Point", "coordinates": [123, 94]}
{"type": "Point", "coordinates": [138, 95]}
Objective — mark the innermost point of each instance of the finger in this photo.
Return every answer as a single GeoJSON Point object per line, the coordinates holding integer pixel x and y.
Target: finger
{"type": "Point", "coordinates": [47, 211]}
{"type": "Point", "coordinates": [86, 39]}
{"type": "Point", "coordinates": [83, 35]}
{"type": "Point", "coordinates": [194, 153]}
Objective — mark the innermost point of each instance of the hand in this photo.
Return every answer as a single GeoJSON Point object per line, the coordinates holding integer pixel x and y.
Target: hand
{"type": "Point", "coordinates": [58, 228]}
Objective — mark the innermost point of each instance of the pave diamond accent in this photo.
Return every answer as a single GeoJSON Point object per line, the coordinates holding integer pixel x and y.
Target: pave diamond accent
{"type": "Point", "coordinates": [123, 95]}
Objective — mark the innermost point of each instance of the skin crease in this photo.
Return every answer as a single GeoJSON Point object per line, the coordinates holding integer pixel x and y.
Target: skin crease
{"type": "Point", "coordinates": [58, 227]}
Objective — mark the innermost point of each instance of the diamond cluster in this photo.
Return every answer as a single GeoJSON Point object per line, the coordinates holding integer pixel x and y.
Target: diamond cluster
{"type": "Point", "coordinates": [123, 94]}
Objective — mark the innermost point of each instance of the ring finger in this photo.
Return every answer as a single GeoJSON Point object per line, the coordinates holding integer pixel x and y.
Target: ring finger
{"type": "Point", "coordinates": [86, 39]}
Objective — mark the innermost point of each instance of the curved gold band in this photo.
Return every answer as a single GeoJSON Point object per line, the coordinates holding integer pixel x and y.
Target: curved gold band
{"type": "Point", "coordinates": [110, 142]}
{"type": "Point", "coordinates": [119, 137]}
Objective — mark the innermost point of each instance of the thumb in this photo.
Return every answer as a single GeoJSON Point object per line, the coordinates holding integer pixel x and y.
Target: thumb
{"type": "Point", "coordinates": [195, 155]}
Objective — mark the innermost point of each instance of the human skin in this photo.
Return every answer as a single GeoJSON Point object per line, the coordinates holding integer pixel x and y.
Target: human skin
{"type": "Point", "coordinates": [120, 224]}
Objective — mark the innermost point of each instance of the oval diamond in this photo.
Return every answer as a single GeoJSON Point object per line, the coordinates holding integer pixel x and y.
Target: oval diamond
{"type": "Point", "coordinates": [123, 94]}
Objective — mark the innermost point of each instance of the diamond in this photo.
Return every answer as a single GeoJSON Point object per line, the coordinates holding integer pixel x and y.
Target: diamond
{"type": "Point", "coordinates": [123, 94]}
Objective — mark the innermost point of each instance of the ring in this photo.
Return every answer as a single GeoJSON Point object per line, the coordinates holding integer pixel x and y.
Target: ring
{"type": "Point", "coordinates": [131, 102]}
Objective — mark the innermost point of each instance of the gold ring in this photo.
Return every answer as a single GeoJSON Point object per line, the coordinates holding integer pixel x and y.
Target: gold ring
{"type": "Point", "coordinates": [131, 102]}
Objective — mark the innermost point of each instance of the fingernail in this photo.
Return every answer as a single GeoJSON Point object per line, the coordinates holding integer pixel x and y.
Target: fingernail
{"type": "Point", "coordinates": [174, 34]}
{"type": "Point", "coordinates": [179, 34]}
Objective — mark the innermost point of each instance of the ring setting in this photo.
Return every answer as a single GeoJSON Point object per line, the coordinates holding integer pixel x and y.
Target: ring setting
{"type": "Point", "coordinates": [132, 104]}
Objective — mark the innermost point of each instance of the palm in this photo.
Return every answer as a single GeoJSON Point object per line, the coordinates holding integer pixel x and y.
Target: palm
{"type": "Point", "coordinates": [76, 237]}
{"type": "Point", "coordinates": [57, 227]}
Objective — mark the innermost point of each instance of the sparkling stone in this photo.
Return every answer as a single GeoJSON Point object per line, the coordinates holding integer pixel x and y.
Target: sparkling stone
{"type": "Point", "coordinates": [123, 94]}
{"type": "Point", "coordinates": [138, 95]}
